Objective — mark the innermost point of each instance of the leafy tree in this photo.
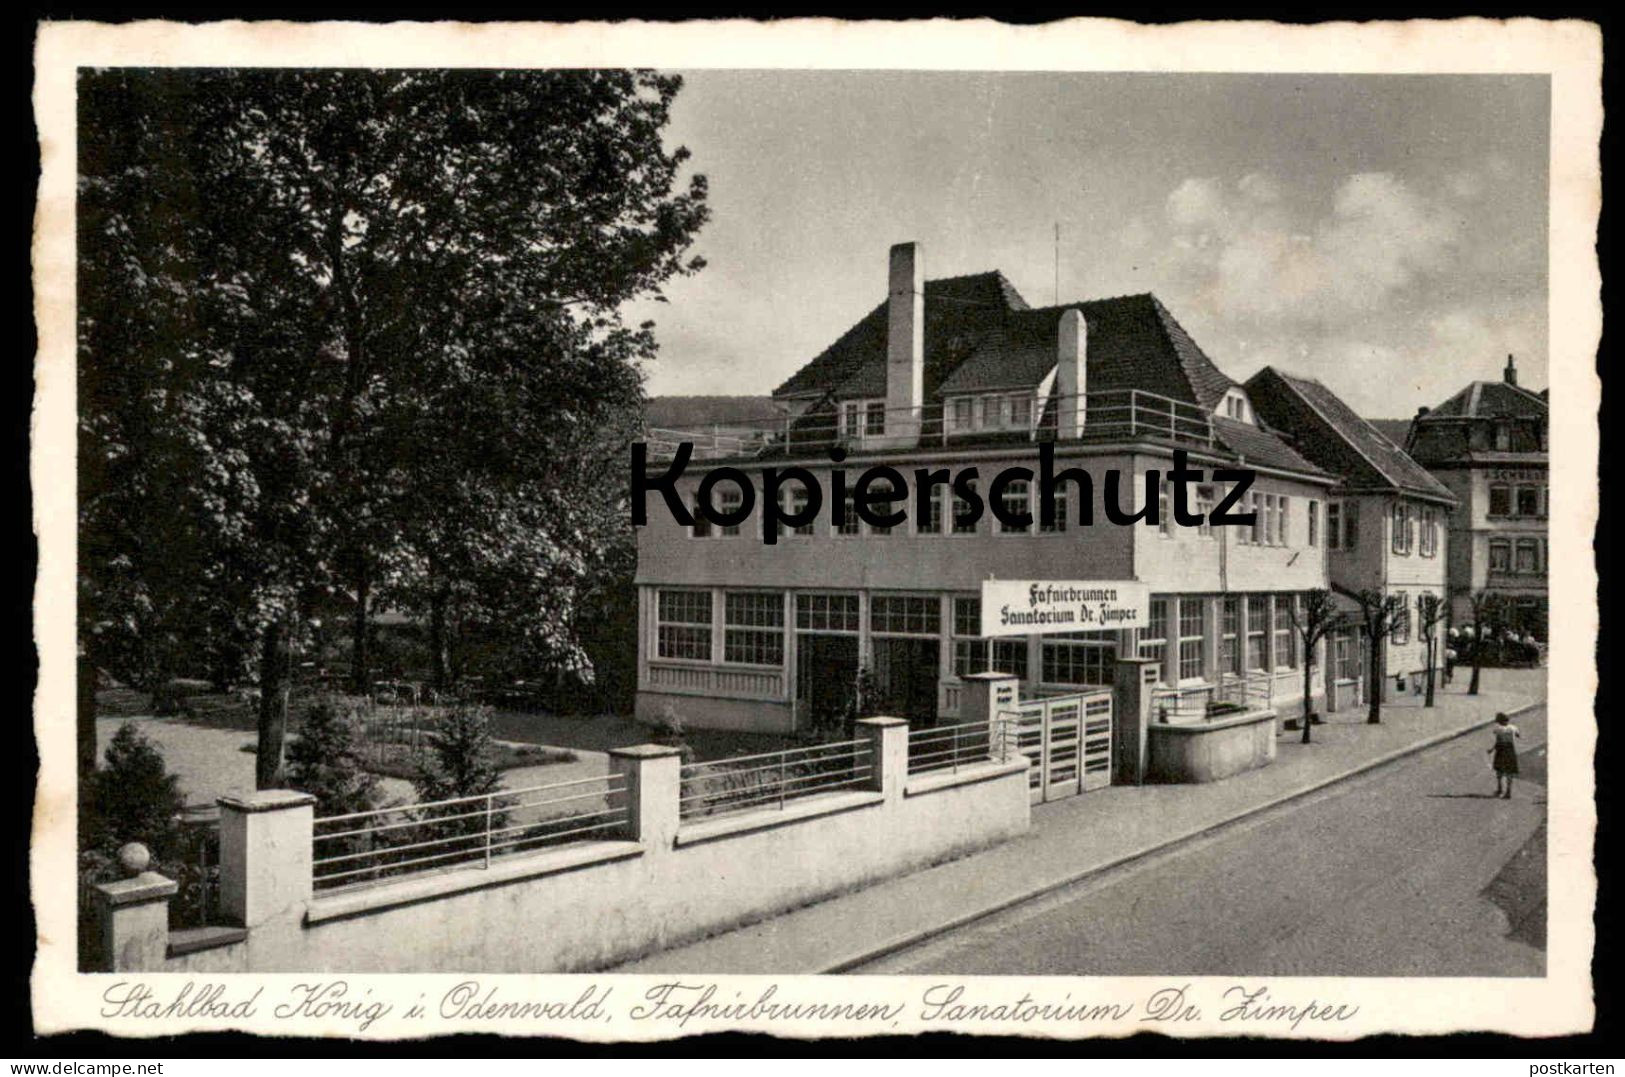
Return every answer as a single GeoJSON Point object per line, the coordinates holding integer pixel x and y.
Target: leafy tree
{"type": "Point", "coordinates": [324, 760]}
{"type": "Point", "coordinates": [1381, 616]}
{"type": "Point", "coordinates": [319, 308]}
{"type": "Point", "coordinates": [1313, 618]}
{"type": "Point", "coordinates": [1430, 611]}
{"type": "Point", "coordinates": [133, 797]}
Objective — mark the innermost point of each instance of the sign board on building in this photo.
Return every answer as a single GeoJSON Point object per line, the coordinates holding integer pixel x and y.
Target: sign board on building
{"type": "Point", "coordinates": [1023, 607]}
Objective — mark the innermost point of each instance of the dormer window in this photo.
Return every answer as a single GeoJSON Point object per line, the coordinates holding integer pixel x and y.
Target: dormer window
{"type": "Point", "coordinates": [863, 418]}
{"type": "Point", "coordinates": [990, 411]}
{"type": "Point", "coordinates": [1235, 407]}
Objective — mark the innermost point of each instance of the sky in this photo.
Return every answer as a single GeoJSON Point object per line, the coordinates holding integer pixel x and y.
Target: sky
{"type": "Point", "coordinates": [1385, 234]}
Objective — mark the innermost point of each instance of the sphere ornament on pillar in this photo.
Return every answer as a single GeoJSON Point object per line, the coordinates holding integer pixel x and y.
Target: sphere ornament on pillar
{"type": "Point", "coordinates": [134, 858]}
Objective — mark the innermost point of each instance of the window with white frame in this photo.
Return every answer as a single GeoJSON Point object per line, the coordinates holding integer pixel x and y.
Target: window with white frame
{"type": "Point", "coordinates": [1286, 637]}
{"type": "Point", "coordinates": [1080, 658]}
{"type": "Point", "coordinates": [1061, 496]}
{"type": "Point", "coordinates": [1258, 624]}
{"type": "Point", "coordinates": [1021, 411]}
{"type": "Point", "coordinates": [851, 524]}
{"type": "Point", "coordinates": [874, 418]}
{"type": "Point", "coordinates": [1230, 636]}
{"type": "Point", "coordinates": [1334, 525]}
{"type": "Point", "coordinates": [1154, 637]}
{"type": "Point", "coordinates": [1255, 503]}
{"type": "Point", "coordinates": [964, 522]}
{"type": "Point", "coordinates": [729, 501]}
{"type": "Point", "coordinates": [1527, 556]}
{"type": "Point", "coordinates": [702, 524]}
{"type": "Point", "coordinates": [1500, 555]}
{"type": "Point", "coordinates": [1402, 619]}
{"type": "Point", "coordinates": [1205, 497]}
{"type": "Point", "coordinates": [1401, 520]}
{"type": "Point", "coordinates": [862, 418]}
{"type": "Point", "coordinates": [1283, 518]}
{"type": "Point", "coordinates": [798, 503]}
{"type": "Point", "coordinates": [883, 488]}
{"type": "Point", "coordinates": [753, 628]}
{"type": "Point", "coordinates": [936, 511]}
{"type": "Point", "coordinates": [975, 654]}
{"type": "Point", "coordinates": [905, 615]}
{"type": "Point", "coordinates": [683, 625]}
{"type": "Point", "coordinates": [1428, 539]}
{"type": "Point", "coordinates": [1017, 498]}
{"type": "Point", "coordinates": [1192, 636]}
{"type": "Point", "coordinates": [827, 612]}
{"type": "Point", "coordinates": [962, 413]}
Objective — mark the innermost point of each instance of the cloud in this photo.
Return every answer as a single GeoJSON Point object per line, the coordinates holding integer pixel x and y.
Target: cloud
{"type": "Point", "coordinates": [1249, 250]}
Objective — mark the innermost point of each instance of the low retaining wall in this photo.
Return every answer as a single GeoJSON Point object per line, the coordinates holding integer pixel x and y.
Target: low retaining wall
{"type": "Point", "coordinates": [1208, 751]}
{"type": "Point", "coordinates": [593, 904]}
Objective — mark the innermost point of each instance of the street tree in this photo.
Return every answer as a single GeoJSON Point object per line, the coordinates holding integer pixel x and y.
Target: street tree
{"type": "Point", "coordinates": [1314, 617]}
{"type": "Point", "coordinates": [1486, 609]}
{"type": "Point", "coordinates": [1430, 612]}
{"type": "Point", "coordinates": [1381, 616]}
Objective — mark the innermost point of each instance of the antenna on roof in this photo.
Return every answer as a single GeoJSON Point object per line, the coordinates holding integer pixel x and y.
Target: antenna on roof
{"type": "Point", "coordinates": [1057, 264]}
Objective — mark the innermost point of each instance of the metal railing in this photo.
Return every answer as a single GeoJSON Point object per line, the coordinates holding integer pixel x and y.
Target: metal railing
{"type": "Point", "coordinates": [1200, 702]}
{"type": "Point", "coordinates": [955, 746]}
{"type": "Point", "coordinates": [465, 832]}
{"type": "Point", "coordinates": [1119, 414]}
{"type": "Point", "coordinates": [770, 780]}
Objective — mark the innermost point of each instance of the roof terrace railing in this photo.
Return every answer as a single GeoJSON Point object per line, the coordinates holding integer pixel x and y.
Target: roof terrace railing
{"type": "Point", "coordinates": [1115, 415]}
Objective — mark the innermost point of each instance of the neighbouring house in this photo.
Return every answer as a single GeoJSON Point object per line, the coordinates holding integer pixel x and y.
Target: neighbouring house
{"type": "Point", "coordinates": [1488, 444]}
{"type": "Point", "coordinates": [962, 372]}
{"type": "Point", "coordinates": [1386, 526]}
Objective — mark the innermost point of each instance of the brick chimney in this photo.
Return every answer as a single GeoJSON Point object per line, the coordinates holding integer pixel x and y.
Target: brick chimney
{"type": "Point", "coordinates": [1071, 374]}
{"type": "Point", "coordinates": [1510, 374]}
{"type": "Point", "coordinates": [905, 345]}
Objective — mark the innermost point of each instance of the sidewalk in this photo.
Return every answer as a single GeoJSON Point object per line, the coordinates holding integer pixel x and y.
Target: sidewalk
{"type": "Point", "coordinates": [1085, 834]}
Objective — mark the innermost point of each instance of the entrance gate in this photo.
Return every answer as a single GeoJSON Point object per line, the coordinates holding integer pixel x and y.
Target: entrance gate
{"type": "Point", "coordinates": [1069, 740]}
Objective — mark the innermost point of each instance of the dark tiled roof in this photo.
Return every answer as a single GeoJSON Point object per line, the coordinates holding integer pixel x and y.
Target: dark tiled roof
{"type": "Point", "coordinates": [1259, 447]}
{"type": "Point", "coordinates": [1397, 431]}
{"type": "Point", "coordinates": [980, 335]}
{"type": "Point", "coordinates": [1328, 430]}
{"type": "Point", "coordinates": [1491, 400]}
{"type": "Point", "coordinates": [958, 310]}
{"type": "Point", "coordinates": [1133, 343]}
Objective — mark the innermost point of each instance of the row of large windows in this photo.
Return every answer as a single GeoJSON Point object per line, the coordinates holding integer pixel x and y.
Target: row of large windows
{"type": "Point", "coordinates": [1414, 528]}
{"type": "Point", "coordinates": [1268, 623]}
{"type": "Point", "coordinates": [949, 514]}
{"type": "Point", "coordinates": [1520, 500]}
{"type": "Point", "coordinates": [1254, 633]}
{"type": "Point", "coordinates": [1518, 556]}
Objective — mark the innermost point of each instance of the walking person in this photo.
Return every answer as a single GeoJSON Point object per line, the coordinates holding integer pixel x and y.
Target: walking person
{"type": "Point", "coordinates": [1504, 755]}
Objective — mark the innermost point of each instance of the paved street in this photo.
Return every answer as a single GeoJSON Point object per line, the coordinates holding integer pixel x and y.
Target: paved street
{"type": "Point", "coordinates": [1410, 870]}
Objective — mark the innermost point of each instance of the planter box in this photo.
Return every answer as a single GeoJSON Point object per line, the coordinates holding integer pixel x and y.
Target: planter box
{"type": "Point", "coordinates": [1209, 751]}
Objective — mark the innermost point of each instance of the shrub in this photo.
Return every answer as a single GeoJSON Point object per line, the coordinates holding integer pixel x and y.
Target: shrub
{"type": "Point", "coordinates": [132, 797]}
{"type": "Point", "coordinates": [324, 761]}
{"type": "Point", "coordinates": [668, 730]}
{"type": "Point", "coordinates": [460, 761]}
